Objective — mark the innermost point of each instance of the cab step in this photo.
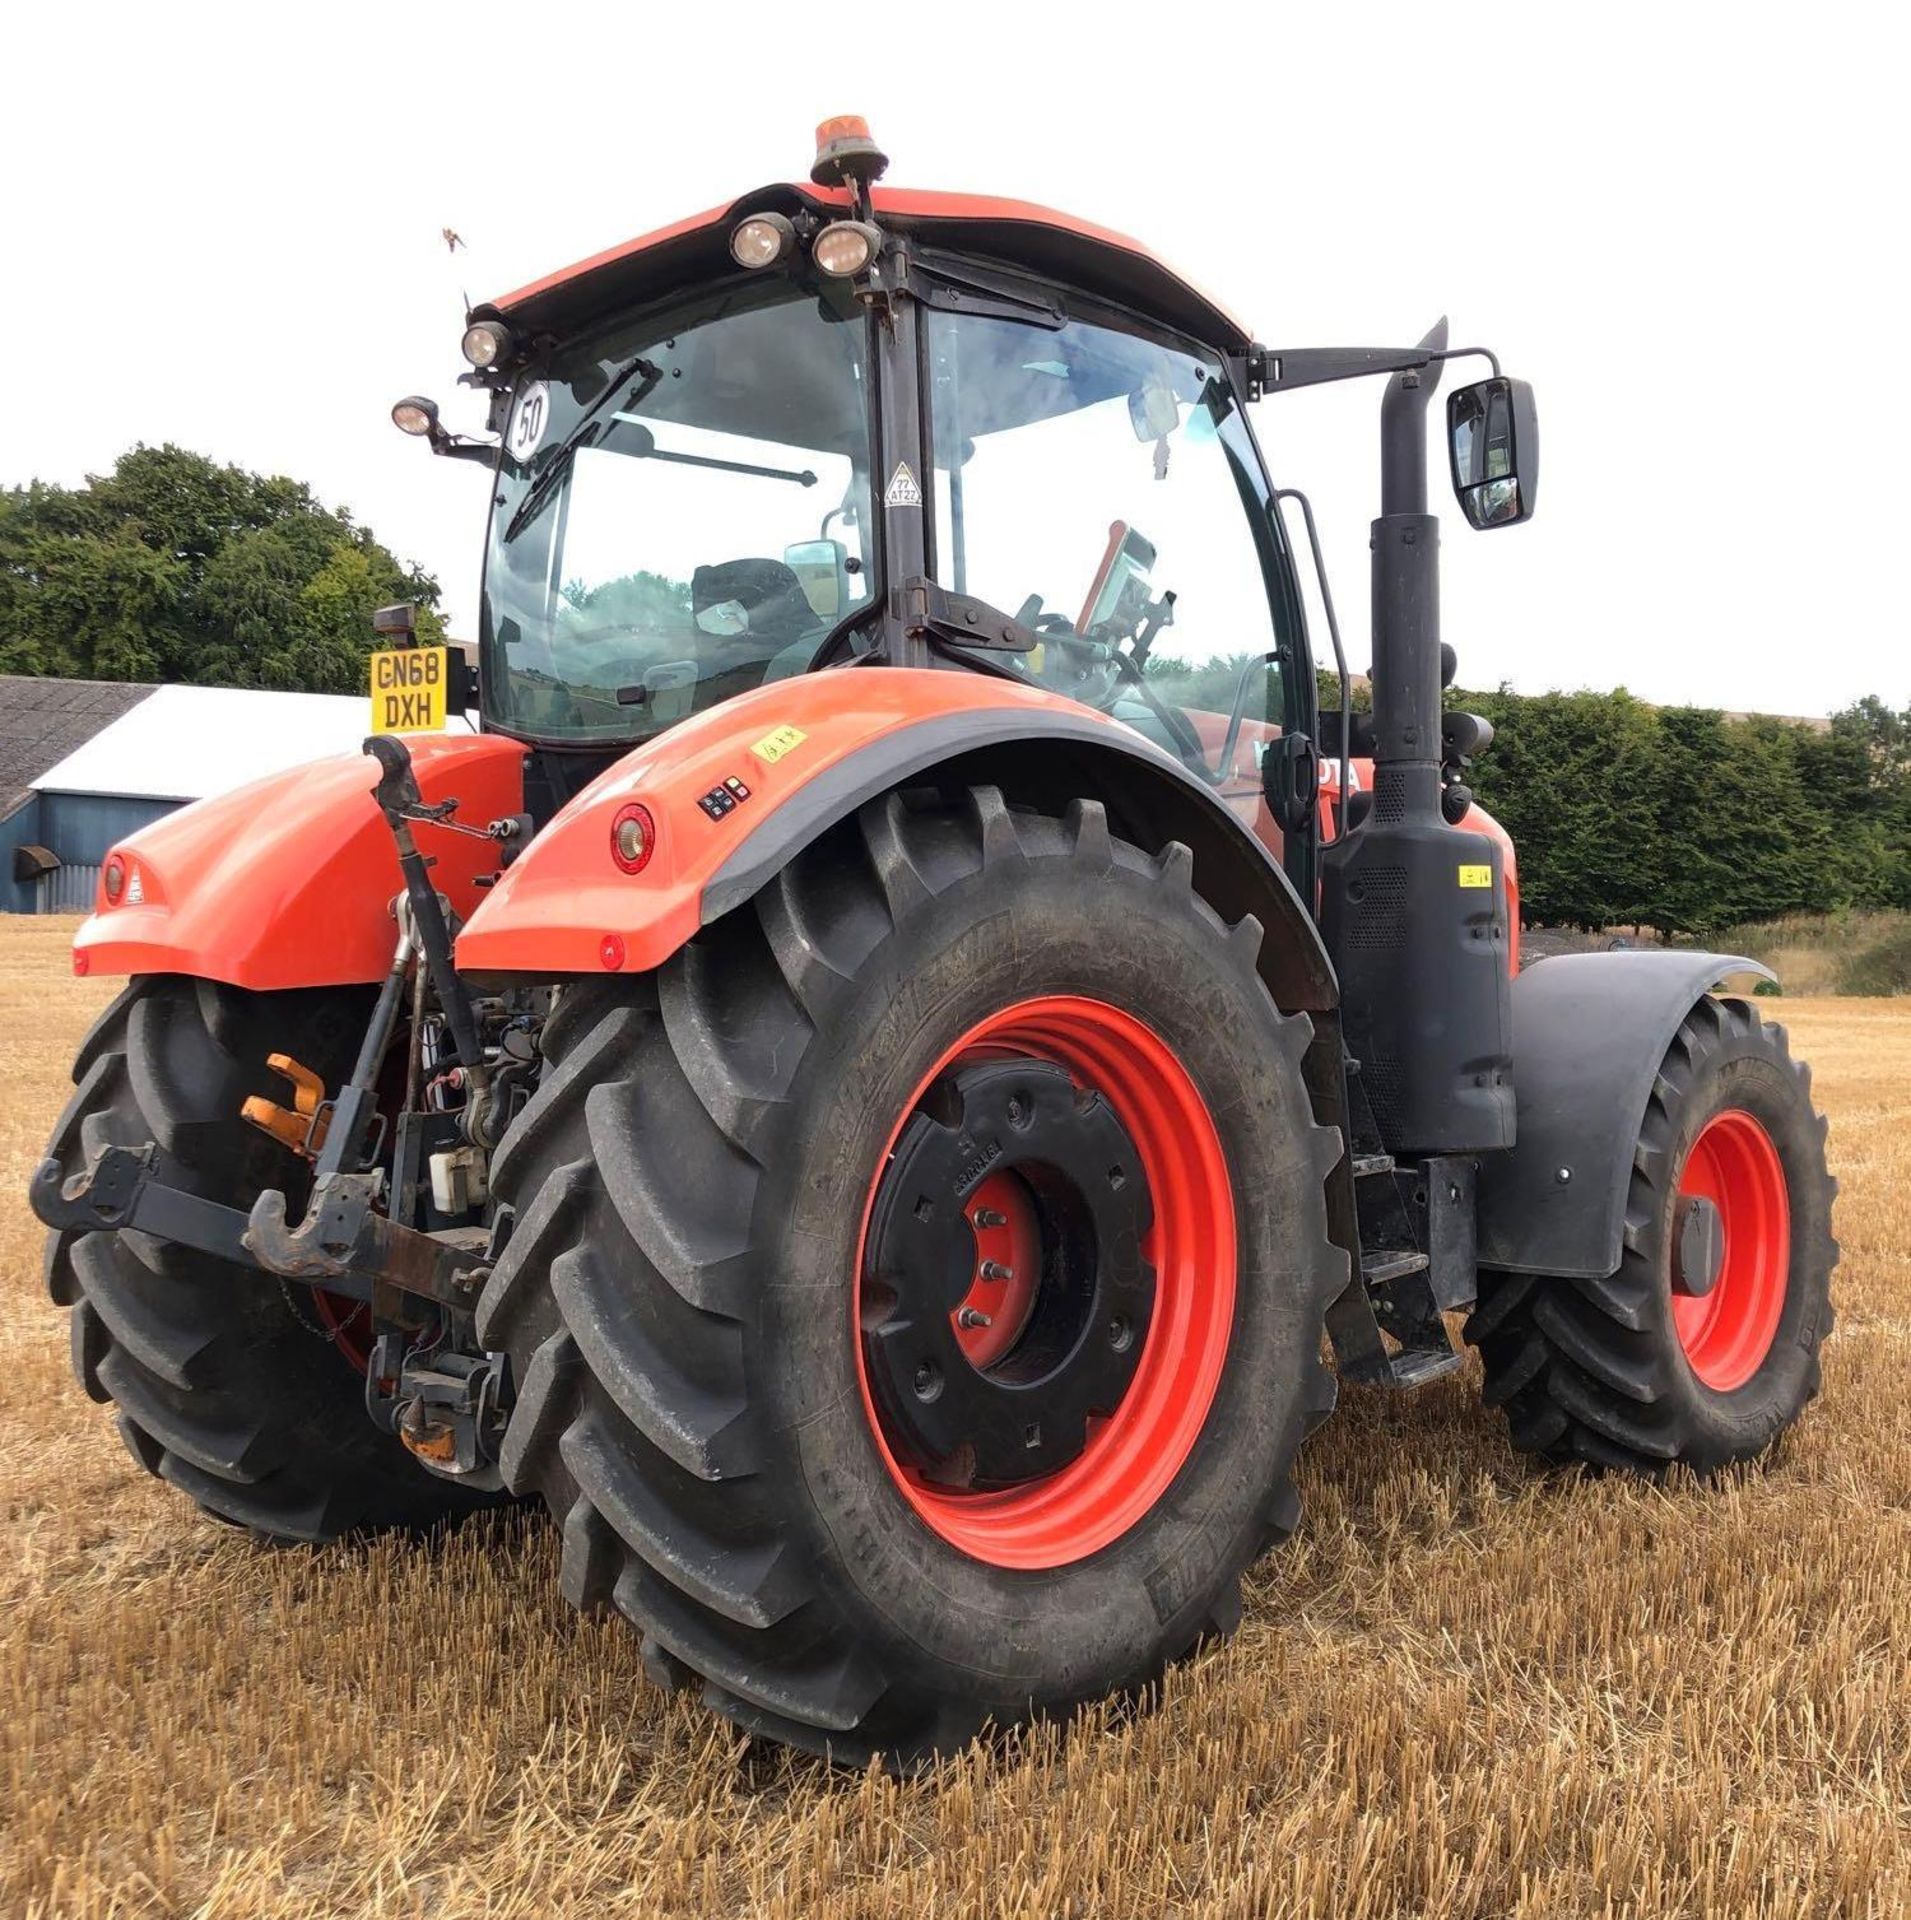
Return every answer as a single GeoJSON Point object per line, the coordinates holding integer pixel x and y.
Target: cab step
{"type": "Point", "coordinates": [1415, 1366]}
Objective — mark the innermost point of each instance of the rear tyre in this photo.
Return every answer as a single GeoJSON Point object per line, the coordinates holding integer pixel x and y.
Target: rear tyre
{"type": "Point", "coordinates": [709, 1250]}
{"type": "Point", "coordinates": [1654, 1365]}
{"type": "Point", "coordinates": [229, 1385]}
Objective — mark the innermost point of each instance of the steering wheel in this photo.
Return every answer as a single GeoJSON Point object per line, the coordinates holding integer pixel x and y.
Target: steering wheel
{"type": "Point", "coordinates": [1097, 671]}
{"type": "Point", "coordinates": [1084, 668]}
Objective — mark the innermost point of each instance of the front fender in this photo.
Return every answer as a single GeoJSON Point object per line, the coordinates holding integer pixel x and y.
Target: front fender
{"type": "Point", "coordinates": [810, 751]}
{"type": "Point", "coordinates": [285, 882]}
{"type": "Point", "coordinates": [1589, 1032]}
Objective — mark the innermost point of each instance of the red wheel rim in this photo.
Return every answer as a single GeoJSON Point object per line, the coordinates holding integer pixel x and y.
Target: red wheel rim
{"type": "Point", "coordinates": [1727, 1332]}
{"type": "Point", "coordinates": [1133, 1455]}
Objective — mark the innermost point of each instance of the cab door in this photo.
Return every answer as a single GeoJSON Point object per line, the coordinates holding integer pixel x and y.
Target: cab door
{"type": "Point", "coordinates": [1099, 482]}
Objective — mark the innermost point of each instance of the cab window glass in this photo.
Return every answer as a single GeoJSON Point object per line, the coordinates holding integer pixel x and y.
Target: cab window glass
{"type": "Point", "coordinates": [684, 519]}
{"type": "Point", "coordinates": [1103, 488]}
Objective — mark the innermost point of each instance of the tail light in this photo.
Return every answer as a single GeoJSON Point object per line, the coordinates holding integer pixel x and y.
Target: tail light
{"type": "Point", "coordinates": [633, 837]}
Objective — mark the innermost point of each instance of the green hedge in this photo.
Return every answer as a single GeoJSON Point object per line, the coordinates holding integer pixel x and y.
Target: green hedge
{"type": "Point", "coordinates": [1685, 821]}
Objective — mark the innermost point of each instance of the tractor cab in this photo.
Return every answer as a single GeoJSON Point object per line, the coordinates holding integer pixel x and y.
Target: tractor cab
{"type": "Point", "coordinates": [690, 507]}
{"type": "Point", "coordinates": [772, 440]}
{"type": "Point", "coordinates": [838, 424]}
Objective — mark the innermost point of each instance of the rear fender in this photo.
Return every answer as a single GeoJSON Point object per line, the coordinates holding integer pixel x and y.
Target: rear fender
{"type": "Point", "coordinates": [287, 882]}
{"type": "Point", "coordinates": [810, 751]}
{"type": "Point", "coordinates": [1589, 1032]}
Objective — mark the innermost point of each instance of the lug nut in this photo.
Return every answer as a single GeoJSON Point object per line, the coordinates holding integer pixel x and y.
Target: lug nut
{"type": "Point", "coordinates": [995, 1270]}
{"type": "Point", "coordinates": [974, 1317]}
{"type": "Point", "coordinates": [988, 1217]}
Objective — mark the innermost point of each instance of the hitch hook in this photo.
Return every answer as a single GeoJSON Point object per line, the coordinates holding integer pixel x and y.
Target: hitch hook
{"type": "Point", "coordinates": [303, 1126]}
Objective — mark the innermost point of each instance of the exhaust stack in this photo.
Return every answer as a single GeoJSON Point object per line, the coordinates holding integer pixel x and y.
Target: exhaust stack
{"type": "Point", "coordinates": [1406, 601]}
{"type": "Point", "coordinates": [1414, 909]}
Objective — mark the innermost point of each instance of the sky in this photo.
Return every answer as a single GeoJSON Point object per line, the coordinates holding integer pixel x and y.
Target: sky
{"type": "Point", "coordinates": [1681, 223]}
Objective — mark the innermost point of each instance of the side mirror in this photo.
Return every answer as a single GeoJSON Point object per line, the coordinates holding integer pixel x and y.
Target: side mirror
{"type": "Point", "coordinates": [822, 571]}
{"type": "Point", "coordinates": [1493, 440]}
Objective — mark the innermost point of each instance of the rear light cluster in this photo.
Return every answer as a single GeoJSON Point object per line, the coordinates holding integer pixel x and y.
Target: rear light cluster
{"type": "Point", "coordinates": [633, 837]}
{"type": "Point", "coordinates": [122, 884]}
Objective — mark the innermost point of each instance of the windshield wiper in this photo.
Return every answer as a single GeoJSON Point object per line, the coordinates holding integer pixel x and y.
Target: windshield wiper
{"type": "Point", "coordinates": [582, 435]}
{"type": "Point", "coordinates": [645, 447]}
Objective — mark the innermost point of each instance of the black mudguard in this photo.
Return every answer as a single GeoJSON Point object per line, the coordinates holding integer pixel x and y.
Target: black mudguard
{"type": "Point", "coordinates": [1589, 1032]}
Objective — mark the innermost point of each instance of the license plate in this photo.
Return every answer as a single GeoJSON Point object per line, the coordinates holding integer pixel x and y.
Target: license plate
{"type": "Point", "coordinates": [409, 690]}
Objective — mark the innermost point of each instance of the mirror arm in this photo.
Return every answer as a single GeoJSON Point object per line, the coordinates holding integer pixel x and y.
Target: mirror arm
{"type": "Point", "coordinates": [1276, 369]}
{"type": "Point", "coordinates": [454, 446]}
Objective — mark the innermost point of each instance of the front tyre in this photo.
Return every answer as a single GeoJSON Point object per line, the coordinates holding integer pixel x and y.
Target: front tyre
{"type": "Point", "coordinates": [916, 1287]}
{"type": "Point", "coordinates": [1703, 1347]}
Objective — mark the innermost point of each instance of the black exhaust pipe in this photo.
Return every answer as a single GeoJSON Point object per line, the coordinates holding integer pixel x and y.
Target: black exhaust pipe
{"type": "Point", "coordinates": [1412, 908]}
{"type": "Point", "coordinates": [1406, 600]}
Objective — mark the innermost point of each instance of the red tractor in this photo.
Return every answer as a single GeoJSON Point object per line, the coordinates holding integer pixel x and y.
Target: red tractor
{"type": "Point", "coordinates": [866, 1081]}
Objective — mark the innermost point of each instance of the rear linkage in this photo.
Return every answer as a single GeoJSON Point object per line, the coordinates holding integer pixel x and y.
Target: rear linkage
{"type": "Point", "coordinates": [426, 1381]}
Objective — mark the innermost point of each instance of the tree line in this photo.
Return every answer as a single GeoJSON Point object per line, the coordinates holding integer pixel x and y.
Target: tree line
{"type": "Point", "coordinates": [1686, 820]}
{"type": "Point", "coordinates": [174, 568]}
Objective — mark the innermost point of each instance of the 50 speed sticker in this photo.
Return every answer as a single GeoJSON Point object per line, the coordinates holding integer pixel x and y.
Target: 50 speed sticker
{"type": "Point", "coordinates": [529, 418]}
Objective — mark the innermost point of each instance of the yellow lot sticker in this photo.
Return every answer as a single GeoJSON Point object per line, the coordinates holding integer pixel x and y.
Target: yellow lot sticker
{"type": "Point", "coordinates": [409, 689]}
{"type": "Point", "coordinates": [773, 746]}
{"type": "Point", "coordinates": [1476, 876]}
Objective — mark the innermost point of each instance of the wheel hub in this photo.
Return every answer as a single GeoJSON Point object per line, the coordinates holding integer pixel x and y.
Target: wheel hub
{"type": "Point", "coordinates": [1005, 1296]}
{"type": "Point", "coordinates": [1698, 1245]}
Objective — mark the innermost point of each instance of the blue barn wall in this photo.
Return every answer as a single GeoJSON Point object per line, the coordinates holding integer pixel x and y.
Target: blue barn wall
{"type": "Point", "coordinates": [80, 828]}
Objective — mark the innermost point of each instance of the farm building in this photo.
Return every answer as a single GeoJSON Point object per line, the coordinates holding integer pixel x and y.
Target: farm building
{"type": "Point", "coordinates": [83, 763]}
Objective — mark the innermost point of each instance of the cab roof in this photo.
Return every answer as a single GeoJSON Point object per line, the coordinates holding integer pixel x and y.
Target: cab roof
{"type": "Point", "coordinates": [1054, 246]}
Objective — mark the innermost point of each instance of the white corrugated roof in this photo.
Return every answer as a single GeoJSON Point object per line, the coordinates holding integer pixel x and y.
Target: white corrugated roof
{"type": "Point", "coordinates": [185, 743]}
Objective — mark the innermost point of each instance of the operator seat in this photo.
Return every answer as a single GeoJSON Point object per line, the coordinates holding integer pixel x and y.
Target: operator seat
{"type": "Point", "coordinates": [779, 625]}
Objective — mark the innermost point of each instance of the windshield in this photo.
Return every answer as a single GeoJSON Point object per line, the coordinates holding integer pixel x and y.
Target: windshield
{"type": "Point", "coordinates": [682, 514]}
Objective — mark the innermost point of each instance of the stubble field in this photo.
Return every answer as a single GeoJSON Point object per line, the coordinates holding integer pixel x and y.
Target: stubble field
{"type": "Point", "coordinates": [1465, 1689]}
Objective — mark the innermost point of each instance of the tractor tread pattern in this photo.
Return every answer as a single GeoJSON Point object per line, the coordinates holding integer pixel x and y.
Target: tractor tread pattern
{"type": "Point", "coordinates": [631, 1293]}
{"type": "Point", "coordinates": [220, 1388]}
{"type": "Point", "coordinates": [1587, 1370]}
